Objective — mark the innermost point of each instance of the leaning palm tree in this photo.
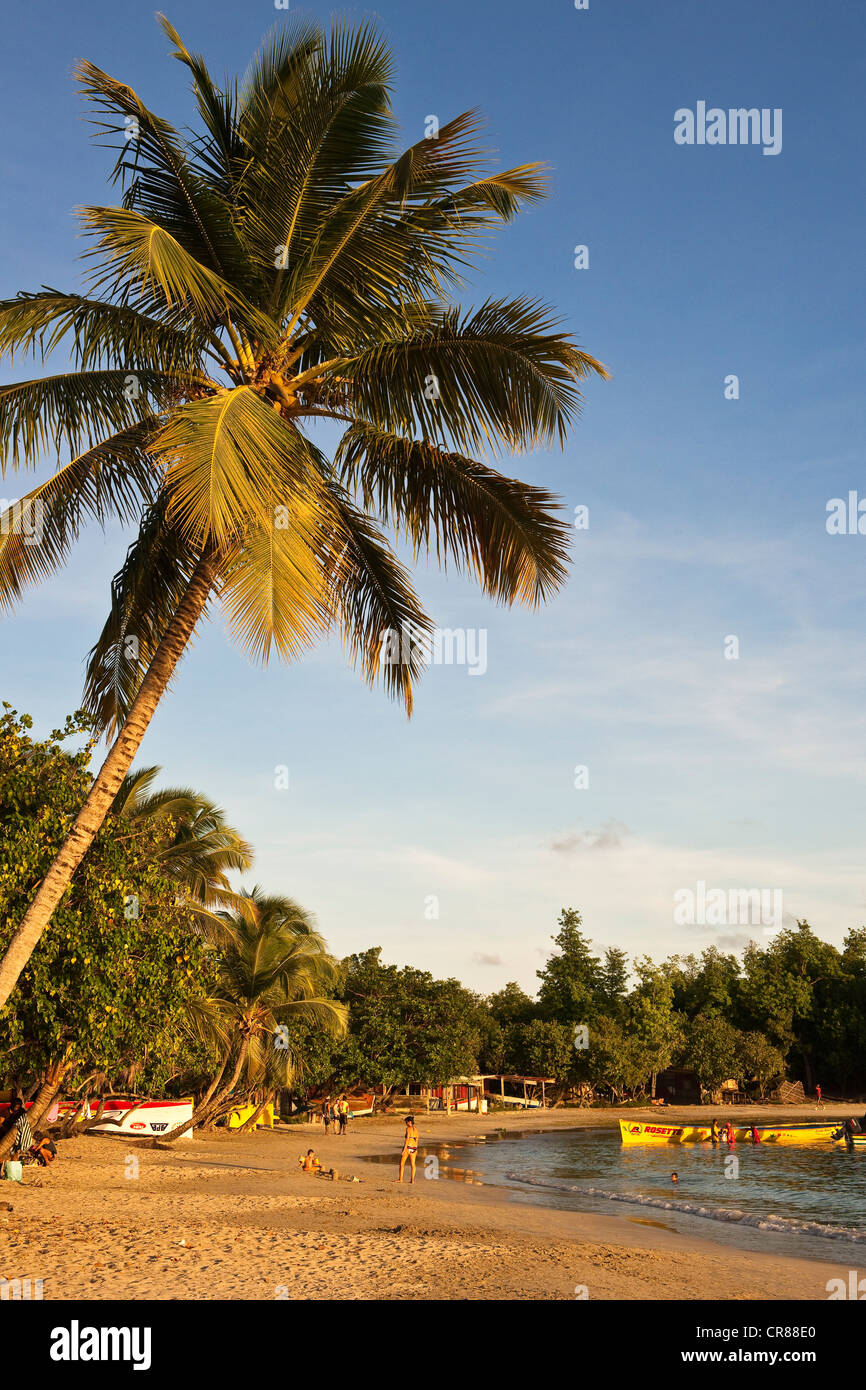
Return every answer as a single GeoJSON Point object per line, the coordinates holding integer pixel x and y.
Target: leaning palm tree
{"type": "Point", "coordinates": [280, 267]}
{"type": "Point", "coordinates": [271, 968]}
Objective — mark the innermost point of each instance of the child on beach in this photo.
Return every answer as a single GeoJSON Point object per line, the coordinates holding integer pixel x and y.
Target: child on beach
{"type": "Point", "coordinates": [309, 1163]}
{"type": "Point", "coordinates": [410, 1148]}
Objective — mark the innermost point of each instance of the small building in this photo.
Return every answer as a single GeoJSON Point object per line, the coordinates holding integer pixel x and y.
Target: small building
{"type": "Point", "coordinates": [475, 1092]}
{"type": "Point", "coordinates": [678, 1086]}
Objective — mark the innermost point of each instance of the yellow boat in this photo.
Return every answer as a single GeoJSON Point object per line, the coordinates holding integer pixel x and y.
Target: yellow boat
{"type": "Point", "coordinates": [635, 1132]}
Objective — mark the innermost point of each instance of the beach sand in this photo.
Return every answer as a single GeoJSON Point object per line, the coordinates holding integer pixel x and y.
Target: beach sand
{"type": "Point", "coordinates": [234, 1218]}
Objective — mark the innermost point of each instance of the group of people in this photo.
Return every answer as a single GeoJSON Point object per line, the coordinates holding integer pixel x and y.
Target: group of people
{"type": "Point", "coordinates": [336, 1113]}
{"type": "Point", "coordinates": [26, 1148]}
{"type": "Point", "coordinates": [724, 1133]}
{"type": "Point", "coordinates": [310, 1163]}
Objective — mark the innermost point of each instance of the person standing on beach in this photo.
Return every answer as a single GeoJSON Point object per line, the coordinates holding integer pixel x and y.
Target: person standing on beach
{"type": "Point", "coordinates": [818, 1094]}
{"type": "Point", "coordinates": [327, 1113]}
{"type": "Point", "coordinates": [410, 1147]}
{"type": "Point", "coordinates": [342, 1113]}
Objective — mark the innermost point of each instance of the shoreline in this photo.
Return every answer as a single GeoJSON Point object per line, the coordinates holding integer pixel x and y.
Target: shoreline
{"type": "Point", "coordinates": [234, 1218]}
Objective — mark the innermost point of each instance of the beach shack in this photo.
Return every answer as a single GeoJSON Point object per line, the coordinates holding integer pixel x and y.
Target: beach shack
{"type": "Point", "coordinates": [476, 1092]}
{"type": "Point", "coordinates": [678, 1086]}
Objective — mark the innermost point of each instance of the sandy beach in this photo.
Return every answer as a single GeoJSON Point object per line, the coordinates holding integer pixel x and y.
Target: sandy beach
{"type": "Point", "coordinates": [234, 1218]}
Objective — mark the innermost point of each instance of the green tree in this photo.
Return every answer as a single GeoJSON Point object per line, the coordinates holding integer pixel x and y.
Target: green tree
{"type": "Point", "coordinates": [106, 993]}
{"type": "Point", "coordinates": [571, 979]}
{"type": "Point", "coordinates": [546, 1048]}
{"type": "Point", "coordinates": [407, 1026]}
{"type": "Point", "coordinates": [612, 987]}
{"type": "Point", "coordinates": [761, 1062]}
{"type": "Point", "coordinates": [785, 989]}
{"type": "Point", "coordinates": [655, 1025]}
{"type": "Point", "coordinates": [286, 265]}
{"type": "Point", "coordinates": [713, 1048]}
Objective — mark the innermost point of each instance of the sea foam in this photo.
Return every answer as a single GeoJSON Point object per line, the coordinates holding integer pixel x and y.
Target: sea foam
{"type": "Point", "coordinates": [783, 1224]}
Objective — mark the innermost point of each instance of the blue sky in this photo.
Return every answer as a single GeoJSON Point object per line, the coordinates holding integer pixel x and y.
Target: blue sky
{"type": "Point", "coordinates": [707, 515]}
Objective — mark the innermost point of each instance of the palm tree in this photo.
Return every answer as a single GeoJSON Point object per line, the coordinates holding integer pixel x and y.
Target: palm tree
{"type": "Point", "coordinates": [280, 267]}
{"type": "Point", "coordinates": [198, 849]}
{"type": "Point", "coordinates": [272, 967]}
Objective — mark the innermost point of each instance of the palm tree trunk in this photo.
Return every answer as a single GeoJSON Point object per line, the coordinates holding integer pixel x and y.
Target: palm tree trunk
{"type": "Point", "coordinates": [111, 774]}
{"type": "Point", "coordinates": [206, 1109]}
{"type": "Point", "coordinates": [250, 1123]}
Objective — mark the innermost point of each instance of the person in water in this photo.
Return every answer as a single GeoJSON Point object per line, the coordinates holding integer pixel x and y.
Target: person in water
{"type": "Point", "coordinates": [756, 1138]}
{"type": "Point", "coordinates": [410, 1147]}
{"type": "Point", "coordinates": [674, 1177]}
{"type": "Point", "coordinates": [714, 1130]}
{"type": "Point", "coordinates": [729, 1134]}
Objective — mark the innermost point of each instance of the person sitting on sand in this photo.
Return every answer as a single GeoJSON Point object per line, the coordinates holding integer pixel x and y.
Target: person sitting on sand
{"type": "Point", "coordinates": [23, 1133]}
{"type": "Point", "coordinates": [309, 1163]}
{"type": "Point", "coordinates": [43, 1151]}
{"type": "Point", "coordinates": [410, 1147]}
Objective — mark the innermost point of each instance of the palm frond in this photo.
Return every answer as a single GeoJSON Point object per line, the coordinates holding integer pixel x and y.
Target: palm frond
{"type": "Point", "coordinates": [497, 377]}
{"type": "Point", "coordinates": [230, 462]}
{"type": "Point", "coordinates": [38, 531]}
{"type": "Point", "coordinates": [502, 532]}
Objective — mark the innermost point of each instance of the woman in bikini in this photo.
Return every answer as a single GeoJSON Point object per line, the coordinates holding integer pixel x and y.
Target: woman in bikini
{"type": "Point", "coordinates": [410, 1148]}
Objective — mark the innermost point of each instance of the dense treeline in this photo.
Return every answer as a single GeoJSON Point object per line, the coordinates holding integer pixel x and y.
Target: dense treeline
{"type": "Point", "coordinates": [795, 1008]}
{"type": "Point", "coordinates": [158, 977]}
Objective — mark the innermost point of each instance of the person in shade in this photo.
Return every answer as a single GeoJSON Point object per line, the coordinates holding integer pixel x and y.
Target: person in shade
{"type": "Point", "coordinates": [410, 1147]}
{"type": "Point", "coordinates": [23, 1134]}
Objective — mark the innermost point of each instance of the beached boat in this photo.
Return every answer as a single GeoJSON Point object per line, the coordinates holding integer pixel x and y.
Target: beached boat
{"type": "Point", "coordinates": [634, 1132]}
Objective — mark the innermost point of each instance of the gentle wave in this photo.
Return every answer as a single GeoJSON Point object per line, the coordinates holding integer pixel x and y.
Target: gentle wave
{"type": "Point", "coordinates": [786, 1224]}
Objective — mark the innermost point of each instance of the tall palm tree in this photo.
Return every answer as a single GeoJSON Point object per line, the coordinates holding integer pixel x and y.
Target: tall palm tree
{"type": "Point", "coordinates": [282, 266]}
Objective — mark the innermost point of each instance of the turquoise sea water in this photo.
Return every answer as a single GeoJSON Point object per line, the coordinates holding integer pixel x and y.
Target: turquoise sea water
{"type": "Point", "coordinates": [814, 1193]}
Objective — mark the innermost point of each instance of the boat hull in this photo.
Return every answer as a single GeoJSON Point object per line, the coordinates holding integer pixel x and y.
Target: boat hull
{"type": "Point", "coordinates": [634, 1132]}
